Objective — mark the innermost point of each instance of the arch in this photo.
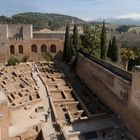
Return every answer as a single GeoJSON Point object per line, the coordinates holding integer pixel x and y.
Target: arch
{"type": "Point", "coordinates": [34, 48]}
{"type": "Point", "coordinates": [12, 49]}
{"type": "Point", "coordinates": [20, 49]}
{"type": "Point", "coordinates": [53, 48]}
{"type": "Point", "coordinates": [43, 48]}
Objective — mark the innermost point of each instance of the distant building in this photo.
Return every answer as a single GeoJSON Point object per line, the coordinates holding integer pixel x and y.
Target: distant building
{"type": "Point", "coordinates": [19, 40]}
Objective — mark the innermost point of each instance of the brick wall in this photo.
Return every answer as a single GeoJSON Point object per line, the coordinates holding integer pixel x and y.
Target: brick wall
{"type": "Point", "coordinates": [27, 48]}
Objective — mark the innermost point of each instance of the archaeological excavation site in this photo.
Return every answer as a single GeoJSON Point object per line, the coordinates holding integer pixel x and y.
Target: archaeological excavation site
{"type": "Point", "coordinates": [47, 99]}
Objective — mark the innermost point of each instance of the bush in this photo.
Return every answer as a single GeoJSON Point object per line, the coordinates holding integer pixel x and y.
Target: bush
{"type": "Point", "coordinates": [12, 61]}
{"type": "Point", "coordinates": [25, 58]}
{"type": "Point", "coordinates": [48, 57]}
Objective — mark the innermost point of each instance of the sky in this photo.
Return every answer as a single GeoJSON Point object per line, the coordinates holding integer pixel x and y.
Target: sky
{"type": "Point", "coordinates": [84, 9]}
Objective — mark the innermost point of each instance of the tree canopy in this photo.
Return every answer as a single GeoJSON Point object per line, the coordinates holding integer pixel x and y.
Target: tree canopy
{"type": "Point", "coordinates": [91, 40]}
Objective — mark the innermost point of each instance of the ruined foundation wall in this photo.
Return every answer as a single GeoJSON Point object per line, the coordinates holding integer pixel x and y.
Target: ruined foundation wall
{"type": "Point", "coordinates": [112, 90]}
{"type": "Point", "coordinates": [33, 133]}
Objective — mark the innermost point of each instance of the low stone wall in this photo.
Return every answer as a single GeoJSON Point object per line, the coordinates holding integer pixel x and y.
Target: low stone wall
{"type": "Point", "coordinates": [111, 88]}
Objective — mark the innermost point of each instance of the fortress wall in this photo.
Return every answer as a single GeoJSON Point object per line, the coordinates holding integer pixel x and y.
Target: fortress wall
{"type": "Point", "coordinates": [112, 90]}
{"type": "Point", "coordinates": [3, 32]}
{"type": "Point", "coordinates": [134, 102]}
{"type": "Point", "coordinates": [2, 52]}
{"type": "Point", "coordinates": [15, 31]}
{"type": "Point", "coordinates": [3, 38]}
{"type": "Point", "coordinates": [27, 32]}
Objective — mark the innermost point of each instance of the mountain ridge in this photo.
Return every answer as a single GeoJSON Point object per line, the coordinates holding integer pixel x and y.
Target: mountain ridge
{"type": "Point", "coordinates": [120, 21]}
{"type": "Point", "coordinates": [56, 21]}
{"type": "Point", "coordinates": [41, 20]}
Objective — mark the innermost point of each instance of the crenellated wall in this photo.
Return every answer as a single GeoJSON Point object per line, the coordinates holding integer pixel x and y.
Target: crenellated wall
{"type": "Point", "coordinates": [114, 87]}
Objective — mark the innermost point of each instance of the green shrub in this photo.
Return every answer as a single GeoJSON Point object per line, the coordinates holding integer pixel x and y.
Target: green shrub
{"type": "Point", "coordinates": [12, 61]}
{"type": "Point", "coordinates": [25, 58]}
{"type": "Point", "coordinates": [48, 57]}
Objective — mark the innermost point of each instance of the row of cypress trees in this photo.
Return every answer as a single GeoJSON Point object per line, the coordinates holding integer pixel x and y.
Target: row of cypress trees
{"type": "Point", "coordinates": [71, 44]}
{"type": "Point", "coordinates": [112, 50]}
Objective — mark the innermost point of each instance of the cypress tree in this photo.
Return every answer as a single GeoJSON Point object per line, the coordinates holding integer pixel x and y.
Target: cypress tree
{"type": "Point", "coordinates": [103, 42]}
{"type": "Point", "coordinates": [71, 51]}
{"type": "Point", "coordinates": [66, 43]}
{"type": "Point", "coordinates": [75, 38]}
{"type": "Point", "coordinates": [109, 52]}
{"type": "Point", "coordinates": [115, 54]}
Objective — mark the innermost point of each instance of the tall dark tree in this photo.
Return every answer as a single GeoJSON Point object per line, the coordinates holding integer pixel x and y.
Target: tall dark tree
{"type": "Point", "coordinates": [71, 51]}
{"type": "Point", "coordinates": [103, 42]}
{"type": "Point", "coordinates": [115, 53]}
{"type": "Point", "coordinates": [109, 52]}
{"type": "Point", "coordinates": [66, 43]}
{"type": "Point", "coordinates": [76, 44]}
{"type": "Point", "coordinates": [90, 40]}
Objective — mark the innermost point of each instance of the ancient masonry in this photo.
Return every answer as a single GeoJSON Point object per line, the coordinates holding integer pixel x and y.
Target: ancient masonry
{"type": "Point", "coordinates": [45, 100]}
{"type": "Point", "coordinates": [19, 41]}
{"type": "Point", "coordinates": [74, 119]}
{"type": "Point", "coordinates": [20, 99]}
{"type": "Point", "coordinates": [115, 87]}
{"type": "Point", "coordinates": [38, 102]}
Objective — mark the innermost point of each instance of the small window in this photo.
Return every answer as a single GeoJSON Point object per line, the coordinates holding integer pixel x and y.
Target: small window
{"type": "Point", "coordinates": [20, 48]}
{"type": "Point", "coordinates": [34, 48]}
{"type": "Point", "coordinates": [43, 48]}
{"type": "Point", "coordinates": [53, 48]}
{"type": "Point", "coordinates": [12, 49]}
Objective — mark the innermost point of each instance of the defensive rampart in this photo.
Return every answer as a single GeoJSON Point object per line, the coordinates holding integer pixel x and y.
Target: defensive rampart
{"type": "Point", "coordinates": [115, 87]}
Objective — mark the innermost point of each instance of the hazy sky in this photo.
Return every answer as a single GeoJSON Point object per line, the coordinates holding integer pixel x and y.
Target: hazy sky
{"type": "Point", "coordinates": [85, 9]}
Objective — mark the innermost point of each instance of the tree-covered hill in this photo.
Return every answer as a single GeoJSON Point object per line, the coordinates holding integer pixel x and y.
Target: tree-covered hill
{"type": "Point", "coordinates": [41, 20]}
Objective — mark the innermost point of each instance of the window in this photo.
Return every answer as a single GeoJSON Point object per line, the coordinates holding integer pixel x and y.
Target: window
{"type": "Point", "coordinates": [34, 48]}
{"type": "Point", "coordinates": [20, 49]}
{"type": "Point", "coordinates": [53, 48]}
{"type": "Point", "coordinates": [43, 48]}
{"type": "Point", "coordinates": [12, 49]}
